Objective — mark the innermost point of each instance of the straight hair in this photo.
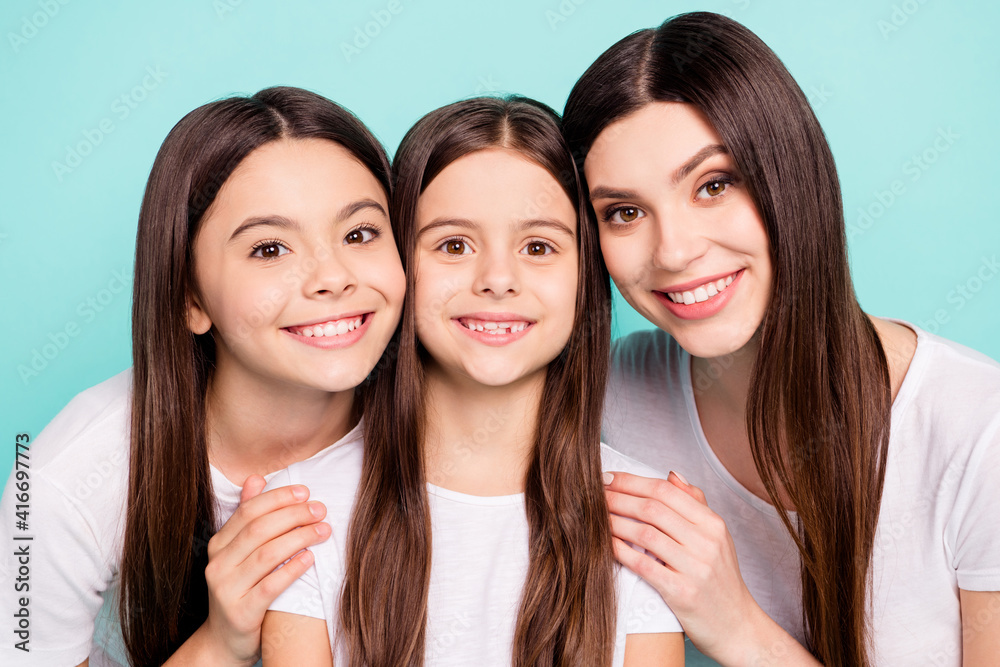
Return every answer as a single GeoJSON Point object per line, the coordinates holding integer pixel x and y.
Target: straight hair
{"type": "Point", "coordinates": [819, 402]}
{"type": "Point", "coordinates": [170, 505]}
{"type": "Point", "coordinates": [568, 610]}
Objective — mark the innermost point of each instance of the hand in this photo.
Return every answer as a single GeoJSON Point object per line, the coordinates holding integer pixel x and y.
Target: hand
{"type": "Point", "coordinates": [266, 530]}
{"type": "Point", "coordinates": [697, 573]}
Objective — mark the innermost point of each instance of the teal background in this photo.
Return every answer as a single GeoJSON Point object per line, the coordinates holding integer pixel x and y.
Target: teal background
{"type": "Point", "coordinates": [886, 80]}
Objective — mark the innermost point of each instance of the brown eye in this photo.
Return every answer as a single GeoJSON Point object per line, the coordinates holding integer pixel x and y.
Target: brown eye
{"type": "Point", "coordinates": [269, 250]}
{"type": "Point", "coordinates": [628, 214]}
{"type": "Point", "coordinates": [455, 247]}
{"type": "Point", "coordinates": [624, 215]}
{"type": "Point", "coordinates": [537, 249]}
{"type": "Point", "coordinates": [713, 188]}
{"type": "Point", "coordinates": [360, 235]}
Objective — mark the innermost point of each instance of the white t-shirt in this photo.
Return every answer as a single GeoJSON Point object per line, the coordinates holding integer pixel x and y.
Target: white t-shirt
{"type": "Point", "coordinates": [939, 526]}
{"type": "Point", "coordinates": [479, 562]}
{"type": "Point", "coordinates": [78, 468]}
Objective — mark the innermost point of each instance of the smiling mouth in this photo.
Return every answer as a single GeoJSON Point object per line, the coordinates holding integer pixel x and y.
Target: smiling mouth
{"type": "Point", "coordinates": [330, 328]}
{"type": "Point", "coordinates": [702, 292]}
{"type": "Point", "coordinates": [494, 327]}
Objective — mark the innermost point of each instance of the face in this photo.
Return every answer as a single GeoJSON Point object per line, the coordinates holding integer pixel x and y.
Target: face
{"type": "Point", "coordinates": [680, 234]}
{"type": "Point", "coordinates": [298, 276]}
{"type": "Point", "coordinates": [496, 268]}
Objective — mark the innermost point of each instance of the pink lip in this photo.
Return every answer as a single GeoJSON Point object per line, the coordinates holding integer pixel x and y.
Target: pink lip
{"type": "Point", "coordinates": [333, 342]}
{"type": "Point", "coordinates": [699, 311]}
{"type": "Point", "coordinates": [495, 340]}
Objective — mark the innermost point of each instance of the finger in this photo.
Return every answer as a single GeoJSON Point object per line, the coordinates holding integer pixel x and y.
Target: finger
{"type": "Point", "coordinates": [678, 480]}
{"type": "Point", "coordinates": [274, 584]}
{"type": "Point", "coordinates": [255, 507]}
{"type": "Point", "coordinates": [657, 489]}
{"type": "Point", "coordinates": [656, 543]}
{"type": "Point", "coordinates": [253, 485]}
{"type": "Point", "coordinates": [265, 559]}
{"type": "Point", "coordinates": [650, 511]}
{"type": "Point", "coordinates": [655, 574]}
{"type": "Point", "coordinates": [270, 526]}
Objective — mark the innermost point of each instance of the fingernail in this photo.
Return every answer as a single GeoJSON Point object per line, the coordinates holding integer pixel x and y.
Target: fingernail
{"type": "Point", "coordinates": [680, 477]}
{"type": "Point", "coordinates": [323, 529]}
{"type": "Point", "coordinates": [306, 557]}
{"type": "Point", "coordinates": [300, 492]}
{"type": "Point", "coordinates": [316, 509]}
{"type": "Point", "coordinates": [607, 477]}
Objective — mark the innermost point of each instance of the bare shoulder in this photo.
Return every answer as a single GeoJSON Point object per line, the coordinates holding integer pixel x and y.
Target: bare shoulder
{"type": "Point", "coordinates": [900, 344]}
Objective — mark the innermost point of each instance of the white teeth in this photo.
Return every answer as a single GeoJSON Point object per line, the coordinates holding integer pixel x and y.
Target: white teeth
{"type": "Point", "coordinates": [702, 292]}
{"type": "Point", "coordinates": [331, 328]}
{"type": "Point", "coordinates": [494, 328]}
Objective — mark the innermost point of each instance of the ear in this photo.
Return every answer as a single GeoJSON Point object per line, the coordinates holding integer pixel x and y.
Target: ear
{"type": "Point", "coordinates": [198, 320]}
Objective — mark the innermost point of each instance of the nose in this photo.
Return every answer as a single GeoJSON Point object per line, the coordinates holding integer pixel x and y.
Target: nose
{"type": "Point", "coordinates": [496, 274]}
{"type": "Point", "coordinates": [326, 274]}
{"type": "Point", "coordinates": [679, 241]}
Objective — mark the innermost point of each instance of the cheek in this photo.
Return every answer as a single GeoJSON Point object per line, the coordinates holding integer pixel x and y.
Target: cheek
{"type": "Point", "coordinates": [624, 258]}
{"type": "Point", "coordinates": [391, 281]}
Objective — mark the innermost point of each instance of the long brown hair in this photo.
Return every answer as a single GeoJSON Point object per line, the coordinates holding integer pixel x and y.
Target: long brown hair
{"type": "Point", "coordinates": [819, 400]}
{"type": "Point", "coordinates": [171, 515]}
{"type": "Point", "coordinates": [568, 609]}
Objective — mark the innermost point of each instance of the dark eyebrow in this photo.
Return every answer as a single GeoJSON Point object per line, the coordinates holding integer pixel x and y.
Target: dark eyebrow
{"type": "Point", "coordinates": [696, 159]}
{"type": "Point", "coordinates": [602, 192]}
{"type": "Point", "coordinates": [447, 222]}
{"type": "Point", "coordinates": [360, 205]}
{"type": "Point", "coordinates": [282, 222]}
{"type": "Point", "coordinates": [265, 220]}
{"type": "Point", "coordinates": [522, 226]}
{"type": "Point", "coordinates": [545, 223]}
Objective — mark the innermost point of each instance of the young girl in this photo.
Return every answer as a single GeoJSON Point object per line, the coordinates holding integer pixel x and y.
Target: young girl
{"type": "Point", "coordinates": [267, 286]}
{"type": "Point", "coordinates": [852, 460]}
{"type": "Point", "coordinates": [479, 532]}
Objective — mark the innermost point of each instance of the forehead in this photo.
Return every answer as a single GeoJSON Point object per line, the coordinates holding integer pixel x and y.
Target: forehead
{"type": "Point", "coordinates": [657, 138]}
{"type": "Point", "coordinates": [298, 174]}
{"type": "Point", "coordinates": [494, 184]}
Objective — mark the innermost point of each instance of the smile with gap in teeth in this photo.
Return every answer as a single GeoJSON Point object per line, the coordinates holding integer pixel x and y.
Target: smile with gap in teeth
{"type": "Point", "coordinates": [491, 327]}
{"type": "Point", "coordinates": [328, 329]}
{"type": "Point", "coordinates": [702, 292]}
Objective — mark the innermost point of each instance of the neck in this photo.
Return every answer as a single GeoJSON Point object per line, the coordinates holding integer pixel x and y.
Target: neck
{"type": "Point", "coordinates": [725, 380]}
{"type": "Point", "coordinates": [257, 427]}
{"type": "Point", "coordinates": [479, 439]}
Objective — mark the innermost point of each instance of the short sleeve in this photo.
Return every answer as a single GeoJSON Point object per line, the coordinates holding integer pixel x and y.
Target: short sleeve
{"type": "Point", "coordinates": [647, 613]}
{"type": "Point", "coordinates": [975, 522]}
{"type": "Point", "coordinates": [53, 581]}
{"type": "Point", "coordinates": [302, 597]}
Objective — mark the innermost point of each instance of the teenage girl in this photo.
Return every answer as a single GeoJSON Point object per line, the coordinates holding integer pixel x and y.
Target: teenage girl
{"type": "Point", "coordinates": [267, 286]}
{"type": "Point", "coordinates": [850, 461]}
{"type": "Point", "coordinates": [478, 528]}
